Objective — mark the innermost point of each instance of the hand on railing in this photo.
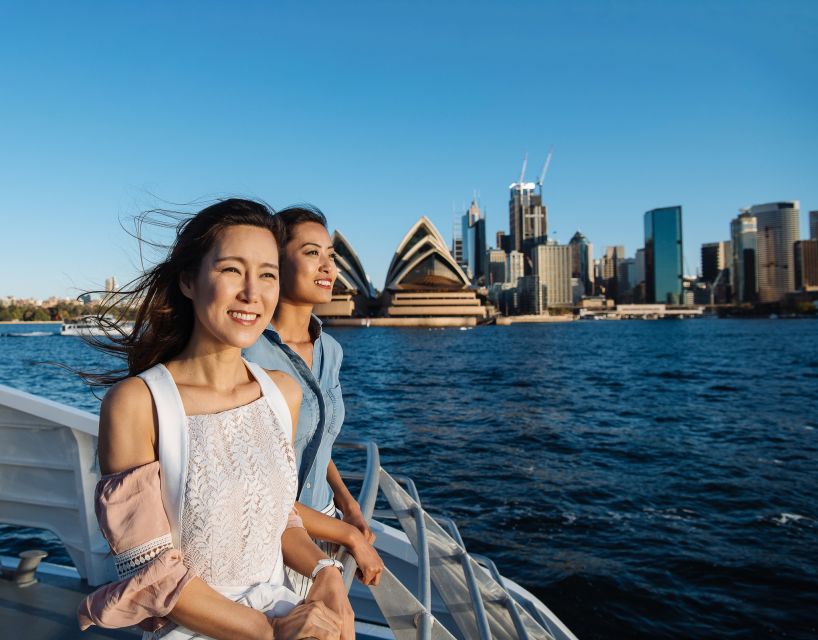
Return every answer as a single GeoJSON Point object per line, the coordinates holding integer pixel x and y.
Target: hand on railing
{"type": "Point", "coordinates": [370, 564]}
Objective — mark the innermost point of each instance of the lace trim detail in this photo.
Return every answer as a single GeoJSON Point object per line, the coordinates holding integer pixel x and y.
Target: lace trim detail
{"type": "Point", "coordinates": [129, 562]}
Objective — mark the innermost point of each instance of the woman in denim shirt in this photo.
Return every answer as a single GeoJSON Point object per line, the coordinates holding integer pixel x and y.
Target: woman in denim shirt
{"type": "Point", "coordinates": [295, 343]}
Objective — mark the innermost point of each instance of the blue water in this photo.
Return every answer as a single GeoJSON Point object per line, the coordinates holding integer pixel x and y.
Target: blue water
{"type": "Point", "coordinates": [645, 479]}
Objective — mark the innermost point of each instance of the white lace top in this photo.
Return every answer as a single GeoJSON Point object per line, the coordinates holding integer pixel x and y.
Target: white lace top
{"type": "Point", "coordinates": [240, 487]}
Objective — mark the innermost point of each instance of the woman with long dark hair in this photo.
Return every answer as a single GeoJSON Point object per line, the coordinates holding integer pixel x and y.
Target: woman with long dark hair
{"type": "Point", "coordinates": [296, 344]}
{"type": "Point", "coordinates": [195, 444]}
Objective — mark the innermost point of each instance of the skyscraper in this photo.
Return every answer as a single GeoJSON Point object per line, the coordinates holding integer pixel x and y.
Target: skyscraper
{"type": "Point", "coordinates": [503, 241]}
{"type": "Point", "coordinates": [777, 230]}
{"type": "Point", "coordinates": [552, 263]}
{"type": "Point", "coordinates": [496, 267]}
{"type": "Point", "coordinates": [473, 234]}
{"type": "Point", "coordinates": [813, 225]}
{"type": "Point", "coordinates": [582, 261]}
{"type": "Point", "coordinates": [515, 267]}
{"type": "Point", "coordinates": [457, 241]}
{"type": "Point", "coordinates": [639, 267]}
{"type": "Point", "coordinates": [527, 218]}
{"type": "Point", "coordinates": [663, 255]}
{"type": "Point", "coordinates": [715, 258]}
{"type": "Point", "coordinates": [743, 276]}
{"type": "Point", "coordinates": [626, 276]}
{"type": "Point", "coordinates": [609, 271]}
{"type": "Point", "coordinates": [806, 265]}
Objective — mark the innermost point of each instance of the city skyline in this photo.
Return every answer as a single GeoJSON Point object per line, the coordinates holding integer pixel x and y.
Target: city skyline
{"type": "Point", "coordinates": [381, 114]}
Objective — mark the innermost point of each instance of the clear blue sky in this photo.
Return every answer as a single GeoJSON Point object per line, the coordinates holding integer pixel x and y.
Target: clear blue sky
{"type": "Point", "coordinates": [381, 112]}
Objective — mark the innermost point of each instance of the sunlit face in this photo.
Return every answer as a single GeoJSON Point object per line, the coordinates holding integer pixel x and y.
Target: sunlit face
{"type": "Point", "coordinates": [236, 289]}
{"type": "Point", "coordinates": [308, 268]}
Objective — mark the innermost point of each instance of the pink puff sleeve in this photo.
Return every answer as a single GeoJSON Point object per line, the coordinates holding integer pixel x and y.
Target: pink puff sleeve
{"type": "Point", "coordinates": [151, 572]}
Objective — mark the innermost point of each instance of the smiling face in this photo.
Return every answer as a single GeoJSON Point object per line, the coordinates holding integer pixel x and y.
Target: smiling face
{"type": "Point", "coordinates": [235, 291]}
{"type": "Point", "coordinates": [308, 268]}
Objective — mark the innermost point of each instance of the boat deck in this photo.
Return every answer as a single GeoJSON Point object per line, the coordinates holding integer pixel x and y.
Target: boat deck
{"type": "Point", "coordinates": [48, 609]}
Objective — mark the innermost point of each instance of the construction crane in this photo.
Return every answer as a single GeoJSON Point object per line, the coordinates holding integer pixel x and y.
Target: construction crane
{"type": "Point", "coordinates": [522, 173]}
{"type": "Point", "coordinates": [545, 168]}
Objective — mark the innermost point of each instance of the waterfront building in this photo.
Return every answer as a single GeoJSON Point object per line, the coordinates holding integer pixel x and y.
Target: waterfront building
{"type": "Point", "coordinates": [111, 284]}
{"type": "Point", "coordinates": [777, 230]}
{"type": "Point", "coordinates": [527, 218]}
{"type": "Point", "coordinates": [473, 234]}
{"type": "Point", "coordinates": [608, 276]}
{"type": "Point", "coordinates": [743, 271]}
{"type": "Point", "coordinates": [577, 291]}
{"type": "Point", "coordinates": [625, 277]}
{"type": "Point", "coordinates": [813, 225]}
{"type": "Point", "coordinates": [552, 264]}
{"type": "Point", "coordinates": [504, 241]}
{"type": "Point", "coordinates": [638, 292]}
{"type": "Point", "coordinates": [515, 267]}
{"type": "Point", "coordinates": [806, 265]}
{"type": "Point", "coordinates": [663, 255]}
{"type": "Point", "coordinates": [353, 293]}
{"type": "Point", "coordinates": [423, 279]}
{"type": "Point", "coordinates": [496, 259]}
{"type": "Point", "coordinates": [639, 267]}
{"type": "Point", "coordinates": [582, 261]}
{"type": "Point", "coordinates": [715, 258]}
{"type": "Point", "coordinates": [531, 295]}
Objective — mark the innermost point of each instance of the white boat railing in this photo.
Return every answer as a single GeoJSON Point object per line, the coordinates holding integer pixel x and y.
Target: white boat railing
{"type": "Point", "coordinates": [48, 471]}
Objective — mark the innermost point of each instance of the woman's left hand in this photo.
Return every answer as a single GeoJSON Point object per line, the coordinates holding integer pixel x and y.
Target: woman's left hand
{"type": "Point", "coordinates": [328, 587]}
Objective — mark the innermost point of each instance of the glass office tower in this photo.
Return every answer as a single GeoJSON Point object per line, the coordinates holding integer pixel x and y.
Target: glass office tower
{"type": "Point", "coordinates": [778, 228]}
{"type": "Point", "coordinates": [663, 255]}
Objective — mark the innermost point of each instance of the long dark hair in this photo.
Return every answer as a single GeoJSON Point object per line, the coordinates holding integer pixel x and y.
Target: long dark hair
{"type": "Point", "coordinates": [163, 314]}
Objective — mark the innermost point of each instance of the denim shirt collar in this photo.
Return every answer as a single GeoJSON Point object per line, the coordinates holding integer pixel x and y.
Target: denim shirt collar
{"type": "Point", "coordinates": [315, 328]}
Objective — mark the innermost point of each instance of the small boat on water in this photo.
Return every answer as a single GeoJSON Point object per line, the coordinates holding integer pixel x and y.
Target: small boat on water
{"type": "Point", "coordinates": [432, 588]}
{"type": "Point", "coordinates": [90, 326]}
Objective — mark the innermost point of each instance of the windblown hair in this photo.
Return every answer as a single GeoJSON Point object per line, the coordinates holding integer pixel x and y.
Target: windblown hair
{"type": "Point", "coordinates": [292, 216]}
{"type": "Point", "coordinates": [163, 314]}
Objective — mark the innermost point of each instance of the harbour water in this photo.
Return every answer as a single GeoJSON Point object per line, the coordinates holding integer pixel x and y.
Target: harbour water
{"type": "Point", "coordinates": [645, 479]}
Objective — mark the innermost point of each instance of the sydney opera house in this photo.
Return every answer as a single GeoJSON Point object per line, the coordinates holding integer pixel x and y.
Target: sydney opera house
{"type": "Point", "coordinates": [424, 286]}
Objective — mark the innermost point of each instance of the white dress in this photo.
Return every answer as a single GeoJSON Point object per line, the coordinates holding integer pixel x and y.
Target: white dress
{"type": "Point", "coordinates": [238, 490]}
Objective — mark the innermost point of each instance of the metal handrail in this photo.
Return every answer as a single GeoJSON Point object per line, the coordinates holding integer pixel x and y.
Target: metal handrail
{"type": "Point", "coordinates": [424, 624]}
{"type": "Point", "coordinates": [479, 607]}
{"type": "Point", "coordinates": [509, 602]}
{"type": "Point", "coordinates": [411, 489]}
{"type": "Point", "coordinates": [366, 497]}
{"type": "Point", "coordinates": [424, 619]}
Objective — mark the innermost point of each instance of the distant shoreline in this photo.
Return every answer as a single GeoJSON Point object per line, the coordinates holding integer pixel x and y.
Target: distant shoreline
{"type": "Point", "coordinates": [22, 322]}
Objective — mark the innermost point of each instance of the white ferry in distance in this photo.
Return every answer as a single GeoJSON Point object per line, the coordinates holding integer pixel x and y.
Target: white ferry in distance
{"type": "Point", "coordinates": [90, 326]}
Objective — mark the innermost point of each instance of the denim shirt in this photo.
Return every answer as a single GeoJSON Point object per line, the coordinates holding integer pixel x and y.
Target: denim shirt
{"type": "Point", "coordinates": [326, 365]}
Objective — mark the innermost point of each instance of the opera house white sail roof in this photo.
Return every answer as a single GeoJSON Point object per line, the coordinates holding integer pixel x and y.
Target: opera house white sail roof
{"type": "Point", "coordinates": [423, 261]}
{"type": "Point", "coordinates": [351, 274]}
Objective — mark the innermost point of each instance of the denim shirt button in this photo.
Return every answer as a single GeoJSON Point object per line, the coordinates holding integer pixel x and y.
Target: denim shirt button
{"type": "Point", "coordinates": [308, 485]}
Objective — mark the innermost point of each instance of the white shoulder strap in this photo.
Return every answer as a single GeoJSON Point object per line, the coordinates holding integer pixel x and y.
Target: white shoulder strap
{"type": "Point", "coordinates": [172, 443]}
{"type": "Point", "coordinates": [274, 397]}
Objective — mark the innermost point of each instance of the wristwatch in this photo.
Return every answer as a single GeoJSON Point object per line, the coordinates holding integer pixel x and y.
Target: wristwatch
{"type": "Point", "coordinates": [323, 563]}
